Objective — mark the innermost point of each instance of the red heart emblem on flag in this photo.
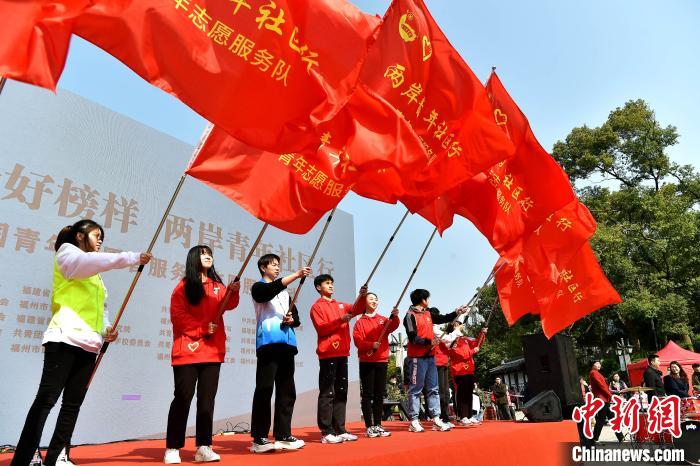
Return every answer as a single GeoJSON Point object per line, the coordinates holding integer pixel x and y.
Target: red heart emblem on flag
{"type": "Point", "coordinates": [501, 118]}
{"type": "Point", "coordinates": [193, 346]}
{"type": "Point", "coordinates": [427, 48]}
{"type": "Point", "coordinates": [335, 344]}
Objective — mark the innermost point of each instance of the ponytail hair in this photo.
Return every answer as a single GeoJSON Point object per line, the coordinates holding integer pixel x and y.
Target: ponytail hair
{"type": "Point", "coordinates": [69, 234]}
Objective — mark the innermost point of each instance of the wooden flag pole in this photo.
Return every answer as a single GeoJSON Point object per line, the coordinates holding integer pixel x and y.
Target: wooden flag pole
{"type": "Point", "coordinates": [415, 269]}
{"type": "Point", "coordinates": [227, 295]}
{"type": "Point", "coordinates": [386, 248]}
{"type": "Point", "coordinates": [3, 80]}
{"type": "Point", "coordinates": [311, 260]}
{"type": "Point", "coordinates": [135, 280]}
{"type": "Point", "coordinates": [385, 329]}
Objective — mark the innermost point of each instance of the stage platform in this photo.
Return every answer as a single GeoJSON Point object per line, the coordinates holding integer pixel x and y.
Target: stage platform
{"type": "Point", "coordinates": [492, 443]}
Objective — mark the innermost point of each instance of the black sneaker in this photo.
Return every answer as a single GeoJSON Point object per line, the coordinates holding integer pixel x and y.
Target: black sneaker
{"type": "Point", "coordinates": [262, 445]}
{"type": "Point", "coordinates": [289, 443]}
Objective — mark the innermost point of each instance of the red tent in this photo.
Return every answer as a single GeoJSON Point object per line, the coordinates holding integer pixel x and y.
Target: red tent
{"type": "Point", "coordinates": [670, 352]}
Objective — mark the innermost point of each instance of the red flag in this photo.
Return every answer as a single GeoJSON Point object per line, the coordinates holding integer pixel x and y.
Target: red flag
{"type": "Point", "coordinates": [515, 290]}
{"type": "Point", "coordinates": [293, 190]}
{"type": "Point", "coordinates": [439, 213]}
{"type": "Point", "coordinates": [289, 191]}
{"type": "Point", "coordinates": [268, 72]}
{"type": "Point", "coordinates": [528, 282]}
{"type": "Point", "coordinates": [581, 289]}
{"type": "Point", "coordinates": [414, 67]}
{"type": "Point", "coordinates": [35, 39]}
{"type": "Point", "coordinates": [512, 198]}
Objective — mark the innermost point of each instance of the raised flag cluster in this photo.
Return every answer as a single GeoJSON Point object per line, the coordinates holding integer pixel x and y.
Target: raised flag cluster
{"type": "Point", "coordinates": [311, 99]}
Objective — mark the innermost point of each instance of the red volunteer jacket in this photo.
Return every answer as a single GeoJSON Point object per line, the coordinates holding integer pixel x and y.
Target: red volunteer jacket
{"type": "Point", "coordinates": [190, 325]}
{"type": "Point", "coordinates": [441, 355]}
{"type": "Point", "coordinates": [424, 329]}
{"type": "Point", "coordinates": [599, 386]}
{"type": "Point", "coordinates": [462, 356]}
{"type": "Point", "coordinates": [368, 329]}
{"type": "Point", "coordinates": [333, 333]}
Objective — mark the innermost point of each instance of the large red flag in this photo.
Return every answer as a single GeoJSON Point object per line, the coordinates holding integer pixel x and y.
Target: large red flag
{"type": "Point", "coordinates": [290, 191]}
{"type": "Point", "coordinates": [268, 72]}
{"type": "Point", "coordinates": [528, 281]}
{"type": "Point", "coordinates": [581, 289]}
{"type": "Point", "coordinates": [293, 190]}
{"type": "Point", "coordinates": [512, 198]}
{"type": "Point", "coordinates": [414, 67]}
{"type": "Point", "coordinates": [35, 39]}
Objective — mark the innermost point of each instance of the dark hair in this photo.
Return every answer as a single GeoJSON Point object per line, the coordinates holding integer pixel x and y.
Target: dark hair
{"type": "Point", "coordinates": [451, 326]}
{"type": "Point", "coordinates": [69, 234]}
{"type": "Point", "coordinates": [324, 277]}
{"type": "Point", "coordinates": [266, 260]}
{"type": "Point", "coordinates": [418, 295]}
{"type": "Point", "coordinates": [194, 290]}
{"type": "Point", "coordinates": [372, 293]}
{"type": "Point", "coordinates": [595, 361]}
{"type": "Point", "coordinates": [652, 357]}
{"type": "Point", "coordinates": [682, 373]}
{"type": "Point", "coordinates": [696, 365]}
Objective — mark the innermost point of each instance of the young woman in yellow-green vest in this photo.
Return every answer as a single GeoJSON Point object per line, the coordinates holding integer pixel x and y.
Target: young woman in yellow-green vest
{"type": "Point", "coordinates": [78, 327]}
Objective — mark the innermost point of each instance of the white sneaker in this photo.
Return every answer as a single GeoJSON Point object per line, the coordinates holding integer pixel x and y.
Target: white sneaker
{"type": "Point", "coordinates": [415, 426]}
{"type": "Point", "coordinates": [439, 425]}
{"type": "Point", "coordinates": [450, 425]}
{"type": "Point", "coordinates": [372, 432]}
{"type": "Point", "coordinates": [172, 456]}
{"type": "Point", "coordinates": [63, 460]}
{"type": "Point", "coordinates": [205, 454]}
{"type": "Point", "coordinates": [330, 438]}
{"type": "Point", "coordinates": [347, 437]}
{"type": "Point", "coordinates": [262, 445]}
{"type": "Point", "coordinates": [382, 433]}
{"type": "Point", "coordinates": [474, 420]}
{"type": "Point", "coordinates": [289, 443]}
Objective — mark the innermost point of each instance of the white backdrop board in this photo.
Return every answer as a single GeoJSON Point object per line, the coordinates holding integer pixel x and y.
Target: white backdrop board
{"type": "Point", "coordinates": [63, 158]}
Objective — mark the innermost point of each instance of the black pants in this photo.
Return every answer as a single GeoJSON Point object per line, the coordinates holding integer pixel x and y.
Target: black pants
{"type": "Point", "coordinates": [444, 389]}
{"type": "Point", "coordinates": [503, 412]}
{"type": "Point", "coordinates": [600, 418]}
{"type": "Point", "coordinates": [372, 391]}
{"type": "Point", "coordinates": [67, 369]}
{"type": "Point", "coordinates": [464, 386]}
{"type": "Point", "coordinates": [205, 378]}
{"type": "Point", "coordinates": [275, 370]}
{"type": "Point", "coordinates": [333, 395]}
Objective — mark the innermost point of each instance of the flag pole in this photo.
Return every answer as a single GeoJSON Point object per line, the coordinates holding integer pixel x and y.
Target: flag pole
{"type": "Point", "coordinates": [311, 260]}
{"type": "Point", "coordinates": [237, 278]}
{"type": "Point", "coordinates": [415, 269]}
{"type": "Point", "coordinates": [476, 297]}
{"type": "Point", "coordinates": [135, 280]}
{"type": "Point", "coordinates": [386, 248]}
{"type": "Point", "coordinates": [398, 301]}
{"type": "Point", "coordinates": [3, 80]}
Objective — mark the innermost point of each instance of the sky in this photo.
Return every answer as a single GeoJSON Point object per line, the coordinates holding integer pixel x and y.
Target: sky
{"type": "Point", "coordinates": [565, 63]}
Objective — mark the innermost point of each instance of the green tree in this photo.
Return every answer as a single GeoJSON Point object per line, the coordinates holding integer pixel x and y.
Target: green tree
{"type": "Point", "coordinates": [648, 238]}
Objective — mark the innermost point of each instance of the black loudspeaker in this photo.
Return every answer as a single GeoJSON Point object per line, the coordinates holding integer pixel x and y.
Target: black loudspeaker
{"type": "Point", "coordinates": [689, 441]}
{"type": "Point", "coordinates": [551, 365]}
{"type": "Point", "coordinates": [545, 407]}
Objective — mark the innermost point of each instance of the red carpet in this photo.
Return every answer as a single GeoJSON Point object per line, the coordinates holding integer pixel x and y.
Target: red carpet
{"type": "Point", "coordinates": [492, 443]}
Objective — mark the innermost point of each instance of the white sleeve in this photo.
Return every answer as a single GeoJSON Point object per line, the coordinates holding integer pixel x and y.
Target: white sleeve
{"type": "Point", "coordinates": [76, 263]}
{"type": "Point", "coordinates": [449, 338]}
